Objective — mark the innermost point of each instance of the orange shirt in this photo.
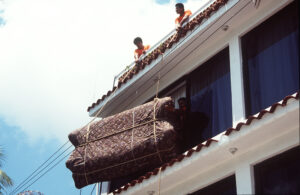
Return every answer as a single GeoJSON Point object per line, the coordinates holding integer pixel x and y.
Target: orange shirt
{"type": "Point", "coordinates": [140, 51]}
{"type": "Point", "coordinates": [187, 12]}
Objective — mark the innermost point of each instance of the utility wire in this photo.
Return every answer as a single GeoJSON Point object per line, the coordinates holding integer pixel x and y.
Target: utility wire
{"type": "Point", "coordinates": [43, 169]}
{"type": "Point", "coordinates": [93, 189]}
{"type": "Point", "coordinates": [48, 170]}
{"type": "Point", "coordinates": [25, 181]}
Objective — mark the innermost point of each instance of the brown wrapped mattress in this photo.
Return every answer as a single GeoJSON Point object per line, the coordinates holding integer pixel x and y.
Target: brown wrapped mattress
{"type": "Point", "coordinates": [138, 139]}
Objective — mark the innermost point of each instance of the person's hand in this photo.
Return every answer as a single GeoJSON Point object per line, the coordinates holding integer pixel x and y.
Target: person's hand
{"type": "Point", "coordinates": [178, 27]}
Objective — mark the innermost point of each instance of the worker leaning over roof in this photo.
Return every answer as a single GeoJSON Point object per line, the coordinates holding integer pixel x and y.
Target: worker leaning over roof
{"type": "Point", "coordinates": [141, 49]}
{"type": "Point", "coordinates": [183, 15]}
{"type": "Point", "coordinates": [183, 18]}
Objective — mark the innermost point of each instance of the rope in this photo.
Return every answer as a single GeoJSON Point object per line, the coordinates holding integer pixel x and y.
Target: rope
{"type": "Point", "coordinates": [87, 136]}
{"type": "Point", "coordinates": [112, 166]}
{"type": "Point", "coordinates": [154, 129]}
{"type": "Point", "coordinates": [131, 144]}
{"type": "Point", "coordinates": [157, 84]}
{"type": "Point", "coordinates": [134, 159]}
{"type": "Point", "coordinates": [126, 129]}
{"type": "Point", "coordinates": [88, 128]}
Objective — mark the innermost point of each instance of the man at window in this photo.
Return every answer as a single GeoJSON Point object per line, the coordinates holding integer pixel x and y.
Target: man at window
{"type": "Point", "coordinates": [141, 49]}
{"type": "Point", "coordinates": [192, 125]}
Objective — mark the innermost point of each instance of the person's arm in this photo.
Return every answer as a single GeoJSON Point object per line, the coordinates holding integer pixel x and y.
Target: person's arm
{"type": "Point", "coordinates": [146, 48]}
{"type": "Point", "coordinates": [184, 19]}
{"type": "Point", "coordinates": [136, 57]}
{"type": "Point", "coordinates": [178, 26]}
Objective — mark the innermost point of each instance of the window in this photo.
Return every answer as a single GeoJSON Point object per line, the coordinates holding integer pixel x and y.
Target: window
{"type": "Point", "coordinates": [279, 175]}
{"type": "Point", "coordinates": [223, 187]}
{"type": "Point", "coordinates": [271, 60]}
{"type": "Point", "coordinates": [210, 93]}
{"type": "Point", "coordinates": [176, 93]}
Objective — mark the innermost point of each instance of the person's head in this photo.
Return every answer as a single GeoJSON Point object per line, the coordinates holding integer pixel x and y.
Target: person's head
{"type": "Point", "coordinates": [170, 106]}
{"type": "Point", "coordinates": [179, 8]}
{"type": "Point", "coordinates": [182, 103]}
{"type": "Point", "coordinates": [138, 42]}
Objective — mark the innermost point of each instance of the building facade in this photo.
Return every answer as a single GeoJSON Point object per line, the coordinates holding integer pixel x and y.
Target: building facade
{"type": "Point", "coordinates": [238, 63]}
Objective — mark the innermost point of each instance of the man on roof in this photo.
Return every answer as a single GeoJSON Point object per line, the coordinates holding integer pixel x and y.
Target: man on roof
{"type": "Point", "coordinates": [141, 49]}
{"type": "Point", "coordinates": [183, 15]}
{"type": "Point", "coordinates": [180, 20]}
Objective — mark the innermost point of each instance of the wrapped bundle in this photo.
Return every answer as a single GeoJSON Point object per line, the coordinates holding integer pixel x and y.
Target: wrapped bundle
{"type": "Point", "coordinates": [138, 139]}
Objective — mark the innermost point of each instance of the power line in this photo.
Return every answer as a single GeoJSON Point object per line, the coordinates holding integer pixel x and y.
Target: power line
{"type": "Point", "coordinates": [23, 182]}
{"type": "Point", "coordinates": [43, 169]}
{"type": "Point", "coordinates": [93, 189]}
{"type": "Point", "coordinates": [48, 170]}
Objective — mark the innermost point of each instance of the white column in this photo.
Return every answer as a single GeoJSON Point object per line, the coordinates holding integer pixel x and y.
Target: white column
{"type": "Point", "coordinates": [244, 178]}
{"type": "Point", "coordinates": [236, 77]}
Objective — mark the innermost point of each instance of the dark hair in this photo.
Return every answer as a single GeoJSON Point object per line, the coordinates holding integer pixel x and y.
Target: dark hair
{"type": "Point", "coordinates": [181, 99]}
{"type": "Point", "coordinates": [137, 40]}
{"type": "Point", "coordinates": [180, 5]}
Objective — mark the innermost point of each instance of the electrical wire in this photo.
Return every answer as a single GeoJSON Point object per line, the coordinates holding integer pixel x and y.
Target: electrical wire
{"type": "Point", "coordinates": [43, 168]}
{"type": "Point", "coordinates": [93, 189]}
{"type": "Point", "coordinates": [55, 153]}
{"type": "Point", "coordinates": [48, 170]}
{"type": "Point", "coordinates": [24, 182]}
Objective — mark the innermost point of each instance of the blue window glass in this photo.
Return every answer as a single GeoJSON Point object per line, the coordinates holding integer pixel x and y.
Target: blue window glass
{"type": "Point", "coordinates": [271, 60]}
{"type": "Point", "coordinates": [210, 93]}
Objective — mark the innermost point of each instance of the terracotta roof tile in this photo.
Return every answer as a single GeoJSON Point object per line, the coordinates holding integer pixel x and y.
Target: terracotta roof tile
{"type": "Point", "coordinates": [162, 48]}
{"type": "Point", "coordinates": [198, 148]}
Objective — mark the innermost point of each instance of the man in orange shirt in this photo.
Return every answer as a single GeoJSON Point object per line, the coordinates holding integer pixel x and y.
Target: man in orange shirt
{"type": "Point", "coordinates": [141, 49]}
{"type": "Point", "coordinates": [183, 16]}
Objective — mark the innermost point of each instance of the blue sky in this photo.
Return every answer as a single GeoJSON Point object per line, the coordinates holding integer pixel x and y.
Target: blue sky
{"type": "Point", "coordinates": [2, 21]}
{"type": "Point", "coordinates": [21, 159]}
{"type": "Point", "coordinates": [162, 2]}
{"type": "Point", "coordinates": [57, 58]}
